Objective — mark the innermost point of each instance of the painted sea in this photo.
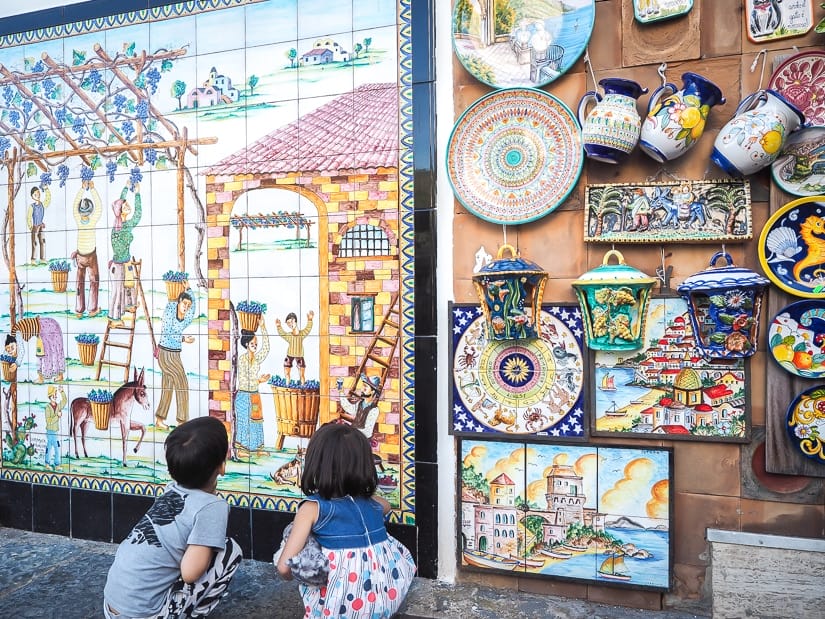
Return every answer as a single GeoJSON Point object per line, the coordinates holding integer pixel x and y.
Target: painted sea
{"type": "Point", "coordinates": [651, 572]}
{"type": "Point", "coordinates": [624, 395]}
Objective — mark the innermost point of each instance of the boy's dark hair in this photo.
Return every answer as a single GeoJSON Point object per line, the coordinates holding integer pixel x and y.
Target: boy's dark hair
{"type": "Point", "coordinates": [195, 449]}
{"type": "Point", "coordinates": [246, 337]}
{"type": "Point", "coordinates": [292, 316]}
{"type": "Point", "coordinates": [10, 339]}
{"type": "Point", "coordinates": [32, 190]}
{"type": "Point", "coordinates": [186, 295]}
{"type": "Point", "coordinates": [338, 463]}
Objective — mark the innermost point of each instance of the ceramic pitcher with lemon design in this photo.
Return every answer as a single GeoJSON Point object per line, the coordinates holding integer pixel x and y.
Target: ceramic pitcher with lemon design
{"type": "Point", "coordinates": [755, 136]}
{"type": "Point", "coordinates": [676, 117]}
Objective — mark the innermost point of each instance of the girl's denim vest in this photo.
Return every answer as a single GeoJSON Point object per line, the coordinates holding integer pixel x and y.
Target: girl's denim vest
{"type": "Point", "coordinates": [348, 523]}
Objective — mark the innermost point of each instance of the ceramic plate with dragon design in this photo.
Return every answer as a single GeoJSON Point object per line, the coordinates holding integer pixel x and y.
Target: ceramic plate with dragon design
{"type": "Point", "coordinates": [792, 247]}
{"type": "Point", "coordinates": [801, 80]}
{"type": "Point", "coordinates": [805, 422]}
{"type": "Point", "coordinates": [514, 155]}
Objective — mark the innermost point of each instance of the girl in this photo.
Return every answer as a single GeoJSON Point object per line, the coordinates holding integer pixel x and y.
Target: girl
{"type": "Point", "coordinates": [369, 571]}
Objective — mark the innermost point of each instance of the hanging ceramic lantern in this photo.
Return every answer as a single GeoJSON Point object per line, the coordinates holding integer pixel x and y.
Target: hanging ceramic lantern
{"type": "Point", "coordinates": [613, 300]}
{"type": "Point", "coordinates": [724, 304]}
{"type": "Point", "coordinates": [510, 290]}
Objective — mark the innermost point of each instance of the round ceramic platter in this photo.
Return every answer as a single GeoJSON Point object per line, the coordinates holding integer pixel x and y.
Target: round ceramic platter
{"type": "Point", "coordinates": [514, 155]}
{"type": "Point", "coordinates": [800, 168]}
{"type": "Point", "coordinates": [792, 247]}
{"type": "Point", "coordinates": [531, 45]}
{"type": "Point", "coordinates": [801, 80]}
{"type": "Point", "coordinates": [805, 422]}
{"type": "Point", "coordinates": [797, 338]}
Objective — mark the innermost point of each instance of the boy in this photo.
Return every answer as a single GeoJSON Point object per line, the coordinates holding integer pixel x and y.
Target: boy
{"type": "Point", "coordinates": [295, 341]}
{"type": "Point", "coordinates": [177, 561]}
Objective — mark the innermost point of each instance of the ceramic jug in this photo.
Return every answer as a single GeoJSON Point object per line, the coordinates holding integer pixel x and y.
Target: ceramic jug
{"type": "Point", "coordinates": [676, 117]}
{"type": "Point", "coordinates": [610, 130]}
{"type": "Point", "coordinates": [755, 136]}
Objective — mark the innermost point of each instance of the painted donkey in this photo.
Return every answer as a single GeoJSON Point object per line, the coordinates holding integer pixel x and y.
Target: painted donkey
{"type": "Point", "coordinates": [122, 401]}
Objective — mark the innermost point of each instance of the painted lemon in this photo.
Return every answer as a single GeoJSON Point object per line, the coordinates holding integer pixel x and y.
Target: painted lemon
{"type": "Point", "coordinates": [690, 117]}
{"type": "Point", "coordinates": [771, 141]}
{"type": "Point", "coordinates": [698, 129]}
{"type": "Point", "coordinates": [783, 352]}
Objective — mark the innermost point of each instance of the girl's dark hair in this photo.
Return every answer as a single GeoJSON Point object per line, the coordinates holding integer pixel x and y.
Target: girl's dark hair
{"type": "Point", "coordinates": [246, 337]}
{"type": "Point", "coordinates": [194, 451]}
{"type": "Point", "coordinates": [338, 463]}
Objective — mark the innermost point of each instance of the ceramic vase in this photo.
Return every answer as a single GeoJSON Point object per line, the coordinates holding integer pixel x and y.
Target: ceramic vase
{"type": "Point", "coordinates": [676, 117]}
{"type": "Point", "coordinates": [755, 136]}
{"type": "Point", "coordinates": [724, 304]}
{"type": "Point", "coordinates": [613, 300]}
{"type": "Point", "coordinates": [610, 130]}
{"type": "Point", "coordinates": [510, 290]}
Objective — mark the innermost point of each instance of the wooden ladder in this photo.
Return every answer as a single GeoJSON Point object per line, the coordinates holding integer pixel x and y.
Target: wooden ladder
{"type": "Point", "coordinates": [386, 336]}
{"type": "Point", "coordinates": [128, 323]}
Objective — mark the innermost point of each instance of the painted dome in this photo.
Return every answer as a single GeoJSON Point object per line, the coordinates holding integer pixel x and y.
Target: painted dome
{"type": "Point", "coordinates": [688, 379]}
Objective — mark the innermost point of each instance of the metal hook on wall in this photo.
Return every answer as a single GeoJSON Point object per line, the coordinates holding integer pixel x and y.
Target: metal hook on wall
{"type": "Point", "coordinates": [764, 54]}
{"type": "Point", "coordinates": [661, 71]}
{"type": "Point", "coordinates": [590, 67]}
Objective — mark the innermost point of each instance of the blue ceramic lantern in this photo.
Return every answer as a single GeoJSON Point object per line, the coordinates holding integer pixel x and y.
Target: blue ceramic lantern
{"type": "Point", "coordinates": [724, 303]}
{"type": "Point", "coordinates": [613, 300]}
{"type": "Point", "coordinates": [510, 290]}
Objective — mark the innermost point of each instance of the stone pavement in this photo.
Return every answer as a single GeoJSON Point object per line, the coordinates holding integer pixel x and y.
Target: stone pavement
{"type": "Point", "coordinates": [54, 577]}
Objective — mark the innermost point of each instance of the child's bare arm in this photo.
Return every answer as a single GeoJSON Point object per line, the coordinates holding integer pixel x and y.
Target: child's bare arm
{"type": "Point", "coordinates": [383, 503]}
{"type": "Point", "coordinates": [301, 527]}
{"type": "Point", "coordinates": [195, 561]}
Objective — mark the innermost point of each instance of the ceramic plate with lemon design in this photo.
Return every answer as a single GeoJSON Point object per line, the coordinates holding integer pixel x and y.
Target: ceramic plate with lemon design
{"type": "Point", "coordinates": [797, 338]}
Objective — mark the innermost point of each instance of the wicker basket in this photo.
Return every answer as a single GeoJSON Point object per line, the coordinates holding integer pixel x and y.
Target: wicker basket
{"type": "Point", "coordinates": [60, 280]}
{"type": "Point", "coordinates": [296, 411]}
{"type": "Point", "coordinates": [8, 375]}
{"type": "Point", "coordinates": [87, 352]}
{"type": "Point", "coordinates": [249, 321]}
{"type": "Point", "coordinates": [101, 412]}
{"type": "Point", "coordinates": [173, 289]}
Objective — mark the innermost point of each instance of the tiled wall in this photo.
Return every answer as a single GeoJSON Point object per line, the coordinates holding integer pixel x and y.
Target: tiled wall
{"type": "Point", "coordinates": [304, 184]}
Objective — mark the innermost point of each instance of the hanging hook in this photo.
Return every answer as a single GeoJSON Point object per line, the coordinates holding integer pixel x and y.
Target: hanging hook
{"type": "Point", "coordinates": [764, 54]}
{"type": "Point", "coordinates": [504, 230]}
{"type": "Point", "coordinates": [590, 66]}
{"type": "Point", "coordinates": [664, 273]}
{"type": "Point", "coordinates": [661, 71]}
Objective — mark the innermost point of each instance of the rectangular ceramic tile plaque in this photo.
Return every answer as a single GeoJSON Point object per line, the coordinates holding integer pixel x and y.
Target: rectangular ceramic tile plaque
{"type": "Point", "coordinates": [668, 212]}
{"type": "Point", "coordinates": [654, 10]}
{"type": "Point", "coordinates": [595, 514]}
{"type": "Point", "coordinates": [518, 387]}
{"type": "Point", "coordinates": [667, 389]}
{"type": "Point", "coordinates": [769, 20]}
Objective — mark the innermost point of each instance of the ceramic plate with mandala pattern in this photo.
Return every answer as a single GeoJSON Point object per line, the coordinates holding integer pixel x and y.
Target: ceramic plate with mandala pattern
{"type": "Point", "coordinates": [518, 387]}
{"type": "Point", "coordinates": [514, 155]}
{"type": "Point", "coordinates": [792, 247]}
{"type": "Point", "coordinates": [805, 422]}
{"type": "Point", "coordinates": [801, 80]}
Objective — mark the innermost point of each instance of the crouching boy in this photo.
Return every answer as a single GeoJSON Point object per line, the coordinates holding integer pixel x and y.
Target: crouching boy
{"type": "Point", "coordinates": [177, 561]}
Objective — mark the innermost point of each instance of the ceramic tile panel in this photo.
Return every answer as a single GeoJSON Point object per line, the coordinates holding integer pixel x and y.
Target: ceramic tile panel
{"type": "Point", "coordinates": [255, 152]}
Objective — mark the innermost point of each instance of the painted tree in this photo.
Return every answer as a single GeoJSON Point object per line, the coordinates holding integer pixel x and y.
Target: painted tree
{"type": "Point", "coordinates": [252, 82]}
{"type": "Point", "coordinates": [177, 90]}
{"type": "Point", "coordinates": [367, 43]}
{"type": "Point", "coordinates": [358, 48]}
{"type": "Point", "coordinates": [461, 16]}
{"type": "Point", "coordinates": [291, 54]}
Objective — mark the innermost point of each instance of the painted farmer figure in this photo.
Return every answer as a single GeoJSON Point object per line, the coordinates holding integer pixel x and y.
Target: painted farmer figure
{"type": "Point", "coordinates": [125, 221]}
{"type": "Point", "coordinates": [178, 315]}
{"type": "Point", "coordinates": [363, 412]}
{"type": "Point", "coordinates": [54, 411]}
{"type": "Point", "coordinates": [295, 341]}
{"type": "Point", "coordinates": [35, 217]}
{"type": "Point", "coordinates": [640, 210]}
{"type": "Point", "coordinates": [248, 410]}
{"type": "Point", "coordinates": [87, 209]}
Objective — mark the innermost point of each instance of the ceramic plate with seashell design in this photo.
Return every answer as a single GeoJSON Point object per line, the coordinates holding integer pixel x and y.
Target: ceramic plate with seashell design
{"type": "Point", "coordinates": [792, 247]}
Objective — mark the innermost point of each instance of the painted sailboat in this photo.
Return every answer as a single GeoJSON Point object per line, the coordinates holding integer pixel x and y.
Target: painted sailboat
{"type": "Point", "coordinates": [608, 383]}
{"type": "Point", "coordinates": [613, 411]}
{"type": "Point", "coordinates": [479, 558]}
{"type": "Point", "coordinates": [613, 568]}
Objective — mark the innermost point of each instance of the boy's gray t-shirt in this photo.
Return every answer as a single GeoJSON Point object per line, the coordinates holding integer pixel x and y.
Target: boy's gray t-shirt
{"type": "Point", "coordinates": [147, 562]}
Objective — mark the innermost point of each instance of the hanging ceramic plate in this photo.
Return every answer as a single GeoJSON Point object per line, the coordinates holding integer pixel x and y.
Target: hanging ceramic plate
{"type": "Point", "coordinates": [805, 422]}
{"type": "Point", "coordinates": [655, 10]}
{"type": "Point", "coordinates": [801, 80]}
{"type": "Point", "coordinates": [530, 43]}
{"type": "Point", "coordinates": [514, 155]}
{"type": "Point", "coordinates": [792, 247]}
{"type": "Point", "coordinates": [797, 338]}
{"type": "Point", "coordinates": [800, 167]}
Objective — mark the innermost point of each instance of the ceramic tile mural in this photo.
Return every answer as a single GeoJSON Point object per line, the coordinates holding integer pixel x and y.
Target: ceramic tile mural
{"type": "Point", "coordinates": [667, 388]}
{"type": "Point", "coordinates": [518, 387]}
{"type": "Point", "coordinates": [209, 212]}
{"type": "Point", "coordinates": [577, 512]}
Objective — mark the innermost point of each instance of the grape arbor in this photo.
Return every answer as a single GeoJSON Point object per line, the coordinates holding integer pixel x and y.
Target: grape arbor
{"type": "Point", "coordinates": [273, 220]}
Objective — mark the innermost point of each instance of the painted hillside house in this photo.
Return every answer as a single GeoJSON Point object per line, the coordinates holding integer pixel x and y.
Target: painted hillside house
{"type": "Point", "coordinates": [325, 51]}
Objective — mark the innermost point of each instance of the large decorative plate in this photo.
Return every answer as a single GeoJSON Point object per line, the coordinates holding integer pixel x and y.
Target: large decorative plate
{"type": "Point", "coordinates": [514, 155]}
{"type": "Point", "coordinates": [797, 338]}
{"type": "Point", "coordinates": [800, 167]}
{"type": "Point", "coordinates": [805, 422]}
{"type": "Point", "coordinates": [801, 80]}
{"type": "Point", "coordinates": [792, 247]}
{"type": "Point", "coordinates": [530, 45]}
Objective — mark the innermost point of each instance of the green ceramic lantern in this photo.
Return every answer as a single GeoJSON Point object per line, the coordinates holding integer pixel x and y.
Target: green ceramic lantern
{"type": "Point", "coordinates": [613, 300]}
{"type": "Point", "coordinates": [510, 291]}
